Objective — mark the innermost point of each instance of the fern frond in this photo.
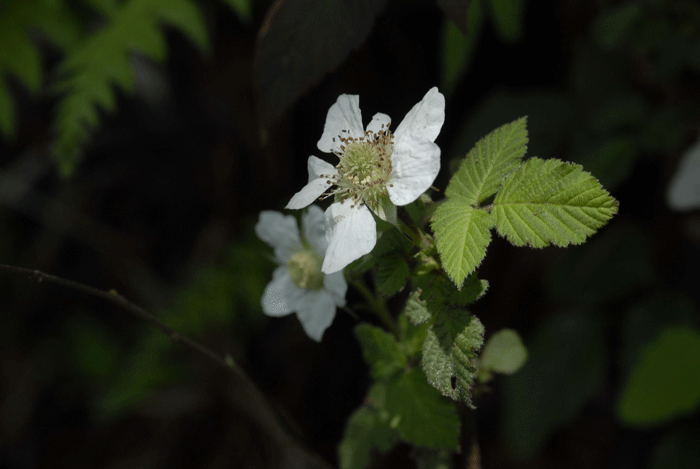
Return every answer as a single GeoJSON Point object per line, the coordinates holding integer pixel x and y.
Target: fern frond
{"type": "Point", "coordinates": [103, 60]}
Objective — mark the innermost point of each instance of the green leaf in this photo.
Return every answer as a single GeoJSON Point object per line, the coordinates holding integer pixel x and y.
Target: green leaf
{"type": "Point", "coordinates": [367, 429]}
{"type": "Point", "coordinates": [664, 383]}
{"type": "Point", "coordinates": [503, 353]}
{"type": "Point", "coordinates": [422, 416]}
{"type": "Point", "coordinates": [381, 351]}
{"type": "Point", "coordinates": [411, 336]}
{"type": "Point", "coordinates": [492, 158]}
{"type": "Point", "coordinates": [417, 309]}
{"type": "Point", "coordinates": [614, 27]}
{"type": "Point", "coordinates": [449, 351]}
{"type": "Point", "coordinates": [462, 234]}
{"type": "Point", "coordinates": [458, 47]}
{"type": "Point", "coordinates": [507, 16]}
{"type": "Point", "coordinates": [567, 365]}
{"type": "Point", "coordinates": [551, 202]}
{"type": "Point", "coordinates": [301, 41]}
{"type": "Point", "coordinates": [391, 275]}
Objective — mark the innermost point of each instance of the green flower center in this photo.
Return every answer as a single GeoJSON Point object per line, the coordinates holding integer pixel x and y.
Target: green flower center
{"type": "Point", "coordinates": [364, 168]}
{"type": "Point", "coordinates": [305, 269]}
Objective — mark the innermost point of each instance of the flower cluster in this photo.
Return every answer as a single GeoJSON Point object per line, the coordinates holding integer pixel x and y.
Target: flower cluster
{"type": "Point", "coordinates": [377, 171]}
{"type": "Point", "coordinates": [298, 283]}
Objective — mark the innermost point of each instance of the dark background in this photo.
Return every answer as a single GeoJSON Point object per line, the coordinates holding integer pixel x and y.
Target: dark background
{"type": "Point", "coordinates": [162, 206]}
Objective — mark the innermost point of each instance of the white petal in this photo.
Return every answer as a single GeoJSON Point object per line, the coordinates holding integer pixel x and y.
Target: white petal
{"type": "Point", "coordinates": [308, 194]}
{"type": "Point", "coordinates": [351, 233]}
{"type": "Point", "coordinates": [314, 224]}
{"type": "Point", "coordinates": [280, 232]}
{"type": "Point", "coordinates": [416, 163]}
{"type": "Point", "coordinates": [318, 168]}
{"type": "Point", "coordinates": [344, 115]}
{"type": "Point", "coordinates": [336, 285]}
{"type": "Point", "coordinates": [316, 313]}
{"type": "Point", "coordinates": [426, 117]}
{"type": "Point", "coordinates": [379, 122]}
{"type": "Point", "coordinates": [281, 295]}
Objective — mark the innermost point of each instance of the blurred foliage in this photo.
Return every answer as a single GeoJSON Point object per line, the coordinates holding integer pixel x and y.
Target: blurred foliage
{"type": "Point", "coordinates": [95, 61]}
{"type": "Point", "coordinates": [566, 367]}
{"type": "Point", "coordinates": [221, 296]}
{"type": "Point", "coordinates": [663, 384]}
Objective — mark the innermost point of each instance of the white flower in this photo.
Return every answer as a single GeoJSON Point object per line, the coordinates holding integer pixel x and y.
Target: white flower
{"type": "Point", "coordinates": [377, 170]}
{"type": "Point", "coordinates": [298, 283]}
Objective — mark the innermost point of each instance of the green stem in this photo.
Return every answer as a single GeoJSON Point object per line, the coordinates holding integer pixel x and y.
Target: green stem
{"type": "Point", "coordinates": [377, 305]}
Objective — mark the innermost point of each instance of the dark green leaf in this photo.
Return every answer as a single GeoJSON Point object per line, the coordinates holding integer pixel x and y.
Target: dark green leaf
{"type": "Point", "coordinates": [449, 352]}
{"type": "Point", "coordinates": [302, 40]}
{"type": "Point", "coordinates": [423, 417]}
{"type": "Point", "coordinates": [664, 383]}
{"type": "Point", "coordinates": [381, 351]}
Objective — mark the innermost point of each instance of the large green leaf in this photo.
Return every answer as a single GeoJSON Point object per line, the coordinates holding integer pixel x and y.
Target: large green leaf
{"type": "Point", "coordinates": [391, 274]}
{"type": "Point", "coordinates": [492, 158]}
{"type": "Point", "coordinates": [462, 234]}
{"type": "Point", "coordinates": [449, 351]}
{"type": "Point", "coordinates": [300, 41]}
{"type": "Point", "coordinates": [551, 202]}
{"type": "Point", "coordinates": [422, 416]}
{"type": "Point", "coordinates": [381, 351]}
{"type": "Point", "coordinates": [664, 383]}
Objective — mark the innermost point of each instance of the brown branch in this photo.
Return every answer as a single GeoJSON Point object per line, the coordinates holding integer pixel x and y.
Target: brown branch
{"type": "Point", "coordinates": [259, 409]}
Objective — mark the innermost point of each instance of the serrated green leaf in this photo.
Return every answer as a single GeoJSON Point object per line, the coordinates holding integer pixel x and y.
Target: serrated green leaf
{"type": "Point", "coordinates": [423, 417]}
{"type": "Point", "coordinates": [391, 274]}
{"type": "Point", "coordinates": [462, 234]}
{"type": "Point", "coordinates": [492, 158]}
{"type": "Point", "coordinates": [503, 353]}
{"type": "Point", "coordinates": [664, 383]}
{"type": "Point", "coordinates": [449, 351]}
{"type": "Point", "coordinates": [507, 16]}
{"type": "Point", "coordinates": [416, 309]}
{"type": "Point", "coordinates": [365, 431]}
{"type": "Point", "coordinates": [381, 351]}
{"type": "Point", "coordinates": [473, 289]}
{"type": "Point", "coordinates": [551, 202]}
